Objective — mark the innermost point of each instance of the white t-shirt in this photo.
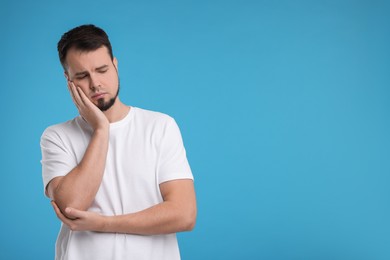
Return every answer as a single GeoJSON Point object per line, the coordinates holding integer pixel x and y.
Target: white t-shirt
{"type": "Point", "coordinates": [145, 150]}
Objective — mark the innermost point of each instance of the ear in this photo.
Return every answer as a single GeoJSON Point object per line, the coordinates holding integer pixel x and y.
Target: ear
{"type": "Point", "coordinates": [115, 62]}
{"type": "Point", "coordinates": [66, 75]}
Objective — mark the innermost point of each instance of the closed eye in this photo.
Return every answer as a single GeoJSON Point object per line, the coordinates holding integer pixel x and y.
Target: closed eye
{"type": "Point", "coordinates": [103, 71]}
{"type": "Point", "coordinates": [81, 76]}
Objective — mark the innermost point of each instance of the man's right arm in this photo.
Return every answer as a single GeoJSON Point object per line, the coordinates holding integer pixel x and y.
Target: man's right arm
{"type": "Point", "coordinates": [79, 187]}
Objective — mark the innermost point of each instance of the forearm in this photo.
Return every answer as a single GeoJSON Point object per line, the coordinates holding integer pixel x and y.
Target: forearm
{"type": "Point", "coordinates": [78, 188]}
{"type": "Point", "coordinates": [164, 218]}
{"type": "Point", "coordinates": [177, 213]}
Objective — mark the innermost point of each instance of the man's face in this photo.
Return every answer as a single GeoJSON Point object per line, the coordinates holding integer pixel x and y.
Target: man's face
{"type": "Point", "coordinates": [96, 74]}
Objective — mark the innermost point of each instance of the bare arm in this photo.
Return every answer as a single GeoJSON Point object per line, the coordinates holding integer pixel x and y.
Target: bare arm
{"type": "Point", "coordinates": [78, 188]}
{"type": "Point", "coordinates": [175, 214]}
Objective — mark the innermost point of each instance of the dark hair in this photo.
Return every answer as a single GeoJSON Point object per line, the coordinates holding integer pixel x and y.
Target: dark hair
{"type": "Point", "coordinates": [84, 38]}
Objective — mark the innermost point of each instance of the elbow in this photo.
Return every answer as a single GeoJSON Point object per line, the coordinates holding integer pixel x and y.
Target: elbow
{"type": "Point", "coordinates": [69, 203]}
{"type": "Point", "coordinates": [190, 225]}
{"type": "Point", "coordinates": [189, 221]}
{"type": "Point", "coordinates": [63, 205]}
{"type": "Point", "coordinates": [64, 199]}
{"type": "Point", "coordinates": [64, 202]}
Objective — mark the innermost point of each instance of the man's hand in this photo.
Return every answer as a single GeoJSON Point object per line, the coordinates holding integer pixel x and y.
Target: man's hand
{"type": "Point", "coordinates": [79, 220]}
{"type": "Point", "coordinates": [89, 111]}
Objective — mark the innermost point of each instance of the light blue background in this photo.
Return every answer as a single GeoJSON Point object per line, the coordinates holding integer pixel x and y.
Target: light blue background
{"type": "Point", "coordinates": [284, 108]}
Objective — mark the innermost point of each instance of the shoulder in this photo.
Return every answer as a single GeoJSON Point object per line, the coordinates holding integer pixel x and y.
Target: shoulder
{"type": "Point", "coordinates": [61, 129]}
{"type": "Point", "coordinates": [154, 124]}
{"type": "Point", "coordinates": [150, 117]}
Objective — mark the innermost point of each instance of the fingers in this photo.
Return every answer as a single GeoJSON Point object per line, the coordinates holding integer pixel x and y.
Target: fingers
{"type": "Point", "coordinates": [87, 109]}
{"type": "Point", "coordinates": [78, 220]}
{"type": "Point", "coordinates": [56, 209]}
{"type": "Point", "coordinates": [83, 97]}
{"type": "Point", "coordinates": [71, 213]}
{"type": "Point", "coordinates": [74, 213]}
{"type": "Point", "coordinates": [78, 96]}
{"type": "Point", "coordinates": [75, 94]}
{"type": "Point", "coordinates": [59, 213]}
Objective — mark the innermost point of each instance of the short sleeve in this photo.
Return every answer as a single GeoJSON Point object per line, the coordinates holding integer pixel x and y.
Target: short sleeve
{"type": "Point", "coordinates": [56, 160]}
{"type": "Point", "coordinates": [173, 163]}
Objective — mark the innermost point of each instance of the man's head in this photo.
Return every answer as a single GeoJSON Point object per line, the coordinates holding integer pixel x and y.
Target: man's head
{"type": "Point", "coordinates": [86, 55]}
{"type": "Point", "coordinates": [83, 38]}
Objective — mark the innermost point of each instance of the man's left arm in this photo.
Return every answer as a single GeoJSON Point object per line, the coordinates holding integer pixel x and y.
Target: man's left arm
{"type": "Point", "coordinates": [176, 213]}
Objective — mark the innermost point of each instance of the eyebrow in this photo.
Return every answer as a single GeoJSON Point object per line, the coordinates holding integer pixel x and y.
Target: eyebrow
{"type": "Point", "coordinates": [86, 72]}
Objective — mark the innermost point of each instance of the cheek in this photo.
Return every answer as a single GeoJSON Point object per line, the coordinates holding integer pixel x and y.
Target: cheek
{"type": "Point", "coordinates": [113, 80]}
{"type": "Point", "coordinates": [83, 85]}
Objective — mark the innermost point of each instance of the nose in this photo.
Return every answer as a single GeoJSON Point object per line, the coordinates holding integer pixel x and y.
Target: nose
{"type": "Point", "coordinates": [94, 84]}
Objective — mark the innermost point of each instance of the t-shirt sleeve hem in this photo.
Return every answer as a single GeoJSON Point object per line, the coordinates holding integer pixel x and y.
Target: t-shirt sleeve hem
{"type": "Point", "coordinates": [176, 176]}
{"type": "Point", "coordinates": [47, 179]}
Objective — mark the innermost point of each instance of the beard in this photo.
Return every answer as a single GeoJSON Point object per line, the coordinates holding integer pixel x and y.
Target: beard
{"type": "Point", "coordinates": [104, 106]}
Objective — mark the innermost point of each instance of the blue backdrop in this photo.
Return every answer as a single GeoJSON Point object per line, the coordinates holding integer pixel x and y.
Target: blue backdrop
{"type": "Point", "coordinates": [284, 107]}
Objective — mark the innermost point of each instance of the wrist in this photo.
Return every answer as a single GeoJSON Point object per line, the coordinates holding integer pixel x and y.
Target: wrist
{"type": "Point", "coordinates": [106, 224]}
{"type": "Point", "coordinates": [103, 129]}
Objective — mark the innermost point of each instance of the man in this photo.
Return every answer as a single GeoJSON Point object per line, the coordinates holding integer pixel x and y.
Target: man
{"type": "Point", "coordinates": [118, 176]}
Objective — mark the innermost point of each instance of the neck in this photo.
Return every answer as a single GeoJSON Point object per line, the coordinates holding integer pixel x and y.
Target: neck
{"type": "Point", "coordinates": [117, 112]}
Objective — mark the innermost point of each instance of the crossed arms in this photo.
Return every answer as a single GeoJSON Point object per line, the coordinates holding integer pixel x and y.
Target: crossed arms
{"type": "Point", "coordinates": [73, 193]}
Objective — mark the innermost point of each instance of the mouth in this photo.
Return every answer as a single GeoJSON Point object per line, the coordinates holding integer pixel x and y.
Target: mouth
{"type": "Point", "coordinates": [98, 95]}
